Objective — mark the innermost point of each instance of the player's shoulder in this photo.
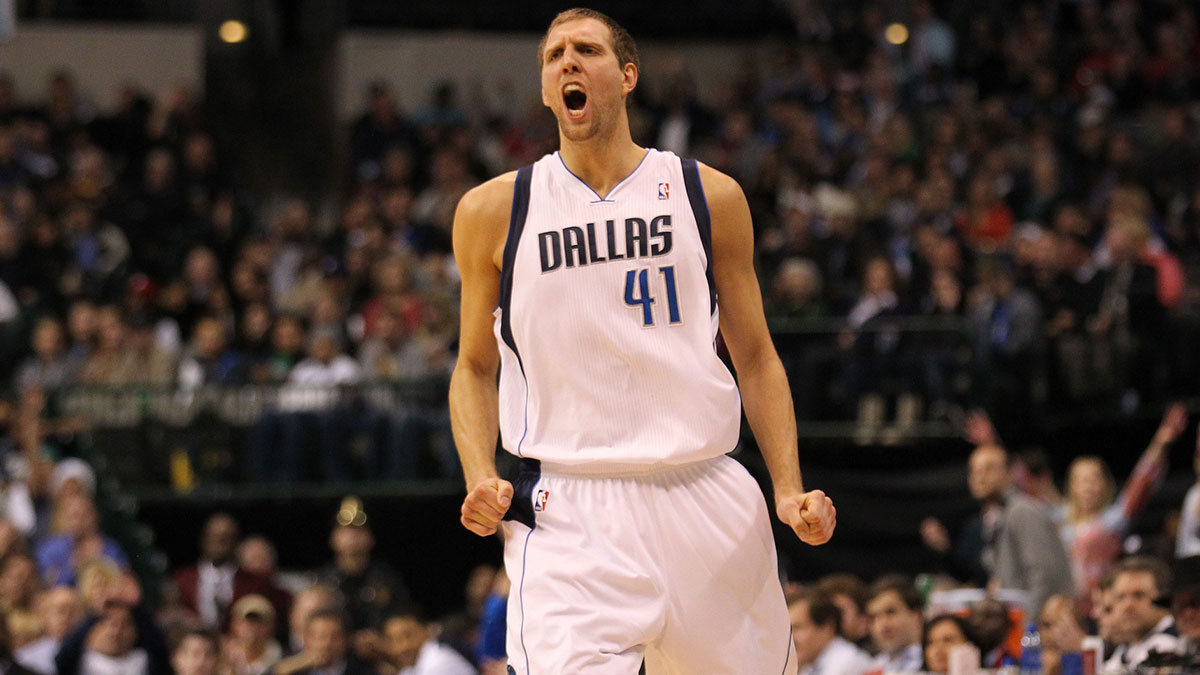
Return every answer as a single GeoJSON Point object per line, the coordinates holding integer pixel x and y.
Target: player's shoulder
{"type": "Point", "coordinates": [487, 199]}
{"type": "Point", "coordinates": [720, 189]}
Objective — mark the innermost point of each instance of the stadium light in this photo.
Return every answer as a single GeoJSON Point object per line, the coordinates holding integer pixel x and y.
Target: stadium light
{"type": "Point", "coordinates": [233, 31]}
{"type": "Point", "coordinates": [896, 33]}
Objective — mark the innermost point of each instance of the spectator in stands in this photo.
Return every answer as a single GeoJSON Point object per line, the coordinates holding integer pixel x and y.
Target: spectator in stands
{"type": "Point", "coordinates": [370, 588]}
{"type": "Point", "coordinates": [48, 368]}
{"type": "Point", "coordinates": [990, 621]}
{"type": "Point", "coordinates": [1060, 626]}
{"type": "Point", "coordinates": [7, 662]}
{"type": "Point", "coordinates": [895, 609]}
{"type": "Point", "coordinates": [316, 598]}
{"type": "Point", "coordinates": [326, 649]}
{"type": "Point", "coordinates": [158, 366]}
{"type": "Point", "coordinates": [872, 346]}
{"type": "Point", "coordinates": [111, 363]}
{"type": "Point", "coordinates": [849, 593]}
{"type": "Point", "coordinates": [78, 539]}
{"type": "Point", "coordinates": [211, 586]}
{"type": "Point", "coordinates": [1140, 624]}
{"type": "Point", "coordinates": [121, 638]}
{"type": "Point", "coordinates": [209, 361]}
{"type": "Point", "coordinates": [59, 610]}
{"type": "Point", "coordinates": [1095, 520]}
{"type": "Point", "coordinates": [815, 631]}
{"type": "Point", "coordinates": [1006, 321]}
{"type": "Point", "coordinates": [257, 555]}
{"type": "Point", "coordinates": [250, 648]}
{"type": "Point", "coordinates": [197, 653]}
{"type": "Point", "coordinates": [1023, 550]}
{"type": "Point", "coordinates": [411, 646]}
{"type": "Point", "coordinates": [18, 583]}
{"type": "Point", "coordinates": [943, 633]}
{"type": "Point", "coordinates": [1187, 542]}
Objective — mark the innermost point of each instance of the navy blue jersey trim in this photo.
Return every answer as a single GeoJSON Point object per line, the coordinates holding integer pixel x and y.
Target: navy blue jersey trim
{"type": "Point", "coordinates": [521, 509]}
{"type": "Point", "coordinates": [516, 225]}
{"type": "Point", "coordinates": [695, 193]}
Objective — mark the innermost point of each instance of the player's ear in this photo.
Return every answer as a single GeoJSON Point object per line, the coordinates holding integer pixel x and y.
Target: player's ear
{"type": "Point", "coordinates": [631, 78]}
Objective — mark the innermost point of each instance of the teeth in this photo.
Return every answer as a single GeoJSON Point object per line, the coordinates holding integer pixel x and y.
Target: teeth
{"type": "Point", "coordinates": [572, 88]}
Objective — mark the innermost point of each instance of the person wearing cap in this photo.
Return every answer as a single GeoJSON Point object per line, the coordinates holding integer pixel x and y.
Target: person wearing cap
{"type": "Point", "coordinates": [250, 648]}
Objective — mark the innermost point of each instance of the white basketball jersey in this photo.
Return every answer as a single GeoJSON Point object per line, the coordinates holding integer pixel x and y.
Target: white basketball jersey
{"type": "Point", "coordinates": [608, 319]}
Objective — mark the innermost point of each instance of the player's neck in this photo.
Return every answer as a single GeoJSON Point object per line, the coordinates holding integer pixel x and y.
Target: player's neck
{"type": "Point", "coordinates": [602, 162]}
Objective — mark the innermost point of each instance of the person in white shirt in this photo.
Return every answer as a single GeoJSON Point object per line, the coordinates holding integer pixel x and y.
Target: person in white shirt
{"type": "Point", "coordinates": [410, 646]}
{"type": "Point", "coordinates": [896, 624]}
{"type": "Point", "coordinates": [820, 650]}
{"type": "Point", "coordinates": [1140, 625]}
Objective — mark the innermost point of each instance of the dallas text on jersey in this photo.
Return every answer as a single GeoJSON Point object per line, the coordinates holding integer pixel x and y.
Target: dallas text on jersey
{"type": "Point", "coordinates": [578, 246]}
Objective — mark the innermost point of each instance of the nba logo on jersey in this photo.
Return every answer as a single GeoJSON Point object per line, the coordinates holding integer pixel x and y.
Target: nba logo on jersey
{"type": "Point", "coordinates": [664, 190]}
{"type": "Point", "coordinates": [539, 501]}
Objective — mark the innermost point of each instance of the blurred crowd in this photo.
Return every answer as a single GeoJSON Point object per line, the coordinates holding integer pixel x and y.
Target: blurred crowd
{"type": "Point", "coordinates": [999, 212]}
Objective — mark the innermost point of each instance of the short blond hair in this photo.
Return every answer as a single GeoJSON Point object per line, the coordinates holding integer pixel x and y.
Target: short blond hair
{"type": "Point", "coordinates": [622, 42]}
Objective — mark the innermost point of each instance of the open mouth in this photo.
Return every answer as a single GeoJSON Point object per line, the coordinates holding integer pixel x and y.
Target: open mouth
{"type": "Point", "coordinates": [575, 100]}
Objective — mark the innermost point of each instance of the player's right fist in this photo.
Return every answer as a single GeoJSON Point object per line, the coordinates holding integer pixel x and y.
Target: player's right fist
{"type": "Point", "coordinates": [485, 506]}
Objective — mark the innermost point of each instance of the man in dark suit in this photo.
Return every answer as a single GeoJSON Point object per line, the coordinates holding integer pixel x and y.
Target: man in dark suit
{"type": "Point", "coordinates": [211, 586]}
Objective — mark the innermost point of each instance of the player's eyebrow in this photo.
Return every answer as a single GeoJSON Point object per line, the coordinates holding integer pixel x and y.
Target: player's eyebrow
{"type": "Point", "coordinates": [578, 42]}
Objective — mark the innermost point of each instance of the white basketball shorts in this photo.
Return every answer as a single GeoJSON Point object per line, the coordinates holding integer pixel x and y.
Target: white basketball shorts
{"type": "Point", "coordinates": [676, 565]}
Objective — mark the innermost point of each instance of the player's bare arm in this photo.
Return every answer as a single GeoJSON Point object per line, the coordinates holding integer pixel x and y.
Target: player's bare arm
{"type": "Point", "coordinates": [761, 378]}
{"type": "Point", "coordinates": [480, 226]}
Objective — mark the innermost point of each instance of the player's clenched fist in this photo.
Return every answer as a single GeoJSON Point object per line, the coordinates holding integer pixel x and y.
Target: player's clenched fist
{"type": "Point", "coordinates": [811, 516]}
{"type": "Point", "coordinates": [485, 506]}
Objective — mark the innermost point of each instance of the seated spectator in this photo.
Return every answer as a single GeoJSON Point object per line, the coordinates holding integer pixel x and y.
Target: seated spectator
{"type": "Point", "coordinates": [991, 625]}
{"type": "Point", "coordinates": [196, 654]}
{"type": "Point", "coordinates": [7, 664]}
{"type": "Point", "coordinates": [412, 647]}
{"type": "Point", "coordinates": [1061, 628]}
{"type": "Point", "coordinates": [209, 359]}
{"type": "Point", "coordinates": [1139, 624]}
{"type": "Point", "coordinates": [257, 555]}
{"type": "Point", "coordinates": [895, 610]}
{"type": "Point", "coordinates": [326, 649]}
{"type": "Point", "coordinates": [78, 539]}
{"type": "Point", "coordinates": [211, 586]}
{"type": "Point", "coordinates": [849, 593]}
{"type": "Point", "coordinates": [1093, 522]}
{"type": "Point", "coordinates": [111, 363]}
{"type": "Point", "coordinates": [18, 583]}
{"type": "Point", "coordinates": [48, 368]}
{"type": "Point", "coordinates": [122, 638]}
{"type": "Point", "coordinates": [943, 633]}
{"type": "Point", "coordinates": [316, 598]}
{"type": "Point", "coordinates": [819, 648]}
{"type": "Point", "coordinates": [372, 589]}
{"type": "Point", "coordinates": [250, 648]}
{"type": "Point", "coordinates": [60, 609]}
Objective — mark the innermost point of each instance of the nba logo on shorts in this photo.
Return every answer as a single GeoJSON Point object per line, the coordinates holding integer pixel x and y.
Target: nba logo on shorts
{"type": "Point", "coordinates": [664, 190]}
{"type": "Point", "coordinates": [539, 501]}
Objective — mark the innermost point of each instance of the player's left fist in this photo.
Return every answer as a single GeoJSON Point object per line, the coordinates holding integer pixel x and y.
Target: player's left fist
{"type": "Point", "coordinates": [811, 516]}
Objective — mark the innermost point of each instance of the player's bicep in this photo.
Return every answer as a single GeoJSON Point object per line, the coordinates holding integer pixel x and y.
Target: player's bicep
{"type": "Point", "coordinates": [739, 298]}
{"type": "Point", "coordinates": [479, 226]}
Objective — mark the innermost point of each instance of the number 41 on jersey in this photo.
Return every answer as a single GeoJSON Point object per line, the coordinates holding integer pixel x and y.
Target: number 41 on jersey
{"type": "Point", "coordinates": [637, 293]}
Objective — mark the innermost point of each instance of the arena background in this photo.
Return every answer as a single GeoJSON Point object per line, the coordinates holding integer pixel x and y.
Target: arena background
{"type": "Point", "coordinates": [280, 104]}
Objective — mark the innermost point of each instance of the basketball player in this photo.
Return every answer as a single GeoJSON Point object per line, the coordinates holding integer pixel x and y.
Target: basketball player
{"type": "Point", "coordinates": [601, 270]}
